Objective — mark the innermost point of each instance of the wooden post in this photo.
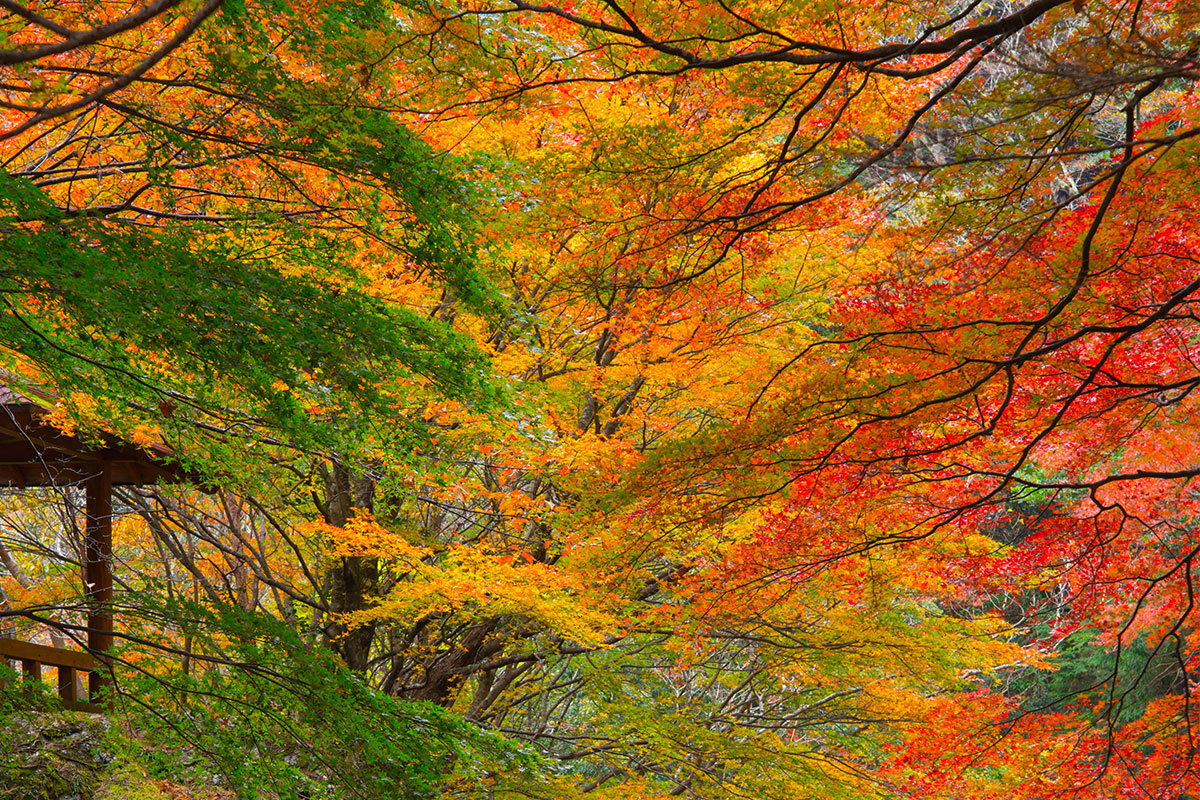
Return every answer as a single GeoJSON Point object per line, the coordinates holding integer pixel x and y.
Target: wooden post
{"type": "Point", "coordinates": [98, 573]}
{"type": "Point", "coordinates": [66, 684]}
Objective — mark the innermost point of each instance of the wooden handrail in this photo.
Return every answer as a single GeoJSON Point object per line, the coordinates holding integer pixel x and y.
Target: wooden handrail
{"type": "Point", "coordinates": [67, 662]}
{"type": "Point", "coordinates": [51, 656]}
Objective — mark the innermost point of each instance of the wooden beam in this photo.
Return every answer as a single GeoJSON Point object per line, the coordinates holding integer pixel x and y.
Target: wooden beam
{"type": "Point", "coordinates": [79, 705]}
{"type": "Point", "coordinates": [98, 571]}
{"type": "Point", "coordinates": [50, 656]}
{"type": "Point", "coordinates": [33, 453]}
{"type": "Point", "coordinates": [52, 471]}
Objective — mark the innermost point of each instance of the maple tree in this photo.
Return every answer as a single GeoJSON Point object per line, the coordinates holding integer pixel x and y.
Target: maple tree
{"type": "Point", "coordinates": [224, 194]}
{"type": "Point", "coordinates": [848, 361]}
{"type": "Point", "coordinates": [211, 241]}
{"type": "Point", "coordinates": [1004, 263]}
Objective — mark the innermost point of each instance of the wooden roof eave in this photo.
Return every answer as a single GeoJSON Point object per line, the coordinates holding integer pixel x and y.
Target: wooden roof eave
{"type": "Point", "coordinates": [33, 453]}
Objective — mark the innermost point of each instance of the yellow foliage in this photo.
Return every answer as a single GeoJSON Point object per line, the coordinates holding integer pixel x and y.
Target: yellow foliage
{"type": "Point", "coordinates": [469, 582]}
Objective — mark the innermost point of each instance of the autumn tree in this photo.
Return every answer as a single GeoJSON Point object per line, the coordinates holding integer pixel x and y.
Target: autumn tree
{"type": "Point", "coordinates": [226, 196]}
{"type": "Point", "coordinates": [850, 357]}
{"type": "Point", "coordinates": [987, 206]}
{"type": "Point", "coordinates": [216, 239]}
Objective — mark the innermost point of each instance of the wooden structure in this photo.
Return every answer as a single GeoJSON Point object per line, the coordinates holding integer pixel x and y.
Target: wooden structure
{"type": "Point", "coordinates": [33, 453]}
{"type": "Point", "coordinates": [68, 663]}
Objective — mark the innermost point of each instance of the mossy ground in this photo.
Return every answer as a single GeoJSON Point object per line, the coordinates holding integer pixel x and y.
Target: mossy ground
{"type": "Point", "coordinates": [69, 756]}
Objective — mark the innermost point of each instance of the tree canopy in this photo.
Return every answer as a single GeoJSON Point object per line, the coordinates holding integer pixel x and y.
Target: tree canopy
{"type": "Point", "coordinates": [637, 399]}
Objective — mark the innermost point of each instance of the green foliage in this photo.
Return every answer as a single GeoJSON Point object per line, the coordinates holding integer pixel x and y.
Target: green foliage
{"type": "Point", "coordinates": [265, 712]}
{"type": "Point", "coordinates": [213, 329]}
{"type": "Point", "coordinates": [224, 287]}
{"type": "Point", "coordinates": [18, 695]}
{"type": "Point", "coordinates": [1090, 677]}
{"type": "Point", "coordinates": [336, 123]}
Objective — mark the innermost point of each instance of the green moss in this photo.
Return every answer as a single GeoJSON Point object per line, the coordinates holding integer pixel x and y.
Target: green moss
{"type": "Point", "coordinates": [68, 756]}
{"type": "Point", "coordinates": [128, 781]}
{"type": "Point", "coordinates": [51, 756]}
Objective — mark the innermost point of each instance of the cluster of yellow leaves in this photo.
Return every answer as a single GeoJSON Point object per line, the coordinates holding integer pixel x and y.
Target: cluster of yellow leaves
{"type": "Point", "coordinates": [470, 583]}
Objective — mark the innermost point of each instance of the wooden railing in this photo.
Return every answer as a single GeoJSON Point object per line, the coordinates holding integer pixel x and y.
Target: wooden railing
{"type": "Point", "coordinates": [68, 663]}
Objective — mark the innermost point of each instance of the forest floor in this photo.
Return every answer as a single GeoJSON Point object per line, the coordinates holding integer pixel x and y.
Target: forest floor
{"type": "Point", "coordinates": [75, 756]}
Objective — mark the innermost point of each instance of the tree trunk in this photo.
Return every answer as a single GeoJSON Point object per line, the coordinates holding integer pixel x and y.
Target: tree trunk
{"type": "Point", "coordinates": [353, 580]}
{"type": "Point", "coordinates": [445, 673]}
